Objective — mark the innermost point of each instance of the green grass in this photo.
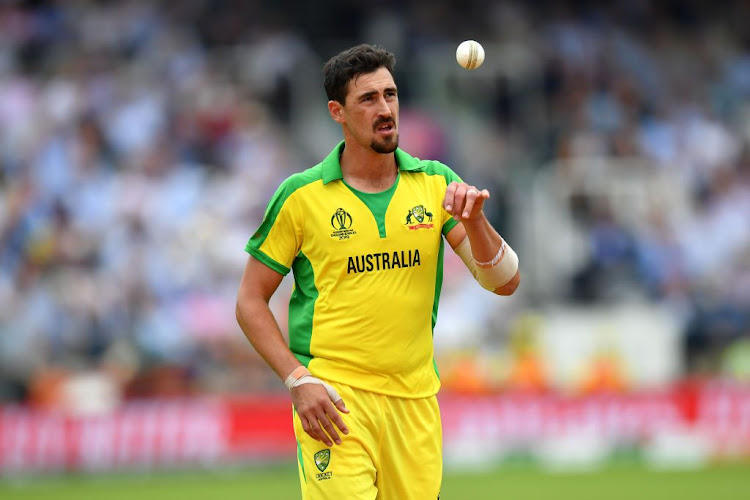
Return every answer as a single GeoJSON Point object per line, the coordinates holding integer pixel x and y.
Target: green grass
{"type": "Point", "coordinates": [725, 482]}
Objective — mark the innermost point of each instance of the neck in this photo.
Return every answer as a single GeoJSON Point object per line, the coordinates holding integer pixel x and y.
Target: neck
{"type": "Point", "coordinates": [366, 170]}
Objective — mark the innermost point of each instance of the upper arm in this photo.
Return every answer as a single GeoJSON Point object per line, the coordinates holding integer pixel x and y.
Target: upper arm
{"type": "Point", "coordinates": [273, 247]}
{"type": "Point", "coordinates": [455, 236]}
{"type": "Point", "coordinates": [278, 239]}
{"type": "Point", "coordinates": [258, 281]}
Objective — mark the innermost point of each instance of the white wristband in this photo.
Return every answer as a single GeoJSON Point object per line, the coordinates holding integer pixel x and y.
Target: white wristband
{"type": "Point", "coordinates": [296, 374]}
{"type": "Point", "coordinates": [302, 375]}
{"type": "Point", "coordinates": [309, 379]}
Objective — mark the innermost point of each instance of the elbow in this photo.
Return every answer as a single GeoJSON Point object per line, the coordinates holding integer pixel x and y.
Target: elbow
{"type": "Point", "coordinates": [240, 309]}
{"type": "Point", "coordinates": [238, 312]}
{"type": "Point", "coordinates": [249, 302]}
{"type": "Point", "coordinates": [510, 287]}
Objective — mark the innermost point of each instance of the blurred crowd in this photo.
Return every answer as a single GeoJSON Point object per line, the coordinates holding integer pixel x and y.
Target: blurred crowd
{"type": "Point", "coordinates": [141, 140]}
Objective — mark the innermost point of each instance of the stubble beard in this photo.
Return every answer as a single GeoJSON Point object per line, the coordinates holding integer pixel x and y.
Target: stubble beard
{"type": "Point", "coordinates": [385, 146]}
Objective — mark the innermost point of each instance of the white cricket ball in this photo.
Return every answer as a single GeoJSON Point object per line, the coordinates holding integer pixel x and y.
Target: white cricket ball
{"type": "Point", "coordinates": [470, 54]}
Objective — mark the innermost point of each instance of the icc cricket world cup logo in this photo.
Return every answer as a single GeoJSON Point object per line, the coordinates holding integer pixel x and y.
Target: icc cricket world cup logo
{"type": "Point", "coordinates": [341, 221]}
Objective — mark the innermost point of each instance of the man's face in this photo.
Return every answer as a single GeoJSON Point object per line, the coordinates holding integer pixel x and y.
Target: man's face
{"type": "Point", "coordinates": [370, 112]}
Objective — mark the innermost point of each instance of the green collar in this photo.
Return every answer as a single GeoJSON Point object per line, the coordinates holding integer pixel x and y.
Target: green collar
{"type": "Point", "coordinates": [332, 166]}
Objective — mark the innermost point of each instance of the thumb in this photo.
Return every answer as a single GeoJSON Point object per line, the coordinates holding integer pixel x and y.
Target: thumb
{"type": "Point", "coordinates": [341, 406]}
{"type": "Point", "coordinates": [479, 202]}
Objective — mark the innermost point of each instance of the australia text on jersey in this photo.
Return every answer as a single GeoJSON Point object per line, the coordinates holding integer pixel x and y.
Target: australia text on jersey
{"type": "Point", "coordinates": [382, 261]}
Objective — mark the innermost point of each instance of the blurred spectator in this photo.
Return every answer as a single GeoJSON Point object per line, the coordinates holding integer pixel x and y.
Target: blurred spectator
{"type": "Point", "coordinates": [141, 140]}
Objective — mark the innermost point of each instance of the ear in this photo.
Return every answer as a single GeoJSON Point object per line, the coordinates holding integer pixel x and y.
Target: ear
{"type": "Point", "coordinates": [336, 110]}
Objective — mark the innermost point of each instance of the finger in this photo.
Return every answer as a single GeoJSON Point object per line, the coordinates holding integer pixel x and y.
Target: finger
{"type": "Point", "coordinates": [325, 422]}
{"type": "Point", "coordinates": [458, 201]}
{"type": "Point", "coordinates": [332, 394]}
{"type": "Point", "coordinates": [484, 195]}
{"type": "Point", "coordinates": [317, 432]}
{"type": "Point", "coordinates": [471, 198]}
{"type": "Point", "coordinates": [309, 429]}
{"type": "Point", "coordinates": [449, 194]}
{"type": "Point", "coordinates": [305, 425]}
{"type": "Point", "coordinates": [341, 406]}
{"type": "Point", "coordinates": [336, 419]}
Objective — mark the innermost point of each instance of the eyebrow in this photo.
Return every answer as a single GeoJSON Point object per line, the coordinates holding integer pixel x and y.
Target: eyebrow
{"type": "Point", "coordinates": [373, 92]}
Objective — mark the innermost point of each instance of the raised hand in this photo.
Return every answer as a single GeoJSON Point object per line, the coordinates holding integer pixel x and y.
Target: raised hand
{"type": "Point", "coordinates": [463, 201]}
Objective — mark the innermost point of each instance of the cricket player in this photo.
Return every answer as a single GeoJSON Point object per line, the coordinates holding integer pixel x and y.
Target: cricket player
{"type": "Point", "coordinates": [363, 233]}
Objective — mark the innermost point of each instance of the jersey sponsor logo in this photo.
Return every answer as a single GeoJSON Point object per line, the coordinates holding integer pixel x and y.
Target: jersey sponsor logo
{"type": "Point", "coordinates": [322, 459]}
{"type": "Point", "coordinates": [418, 214]}
{"type": "Point", "coordinates": [341, 221]}
{"type": "Point", "coordinates": [383, 261]}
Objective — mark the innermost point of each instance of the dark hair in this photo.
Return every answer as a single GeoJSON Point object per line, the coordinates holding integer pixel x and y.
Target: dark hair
{"type": "Point", "coordinates": [349, 64]}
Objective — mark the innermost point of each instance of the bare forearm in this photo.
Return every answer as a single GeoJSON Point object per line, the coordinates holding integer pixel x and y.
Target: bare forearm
{"type": "Point", "coordinates": [485, 241]}
{"type": "Point", "coordinates": [261, 329]}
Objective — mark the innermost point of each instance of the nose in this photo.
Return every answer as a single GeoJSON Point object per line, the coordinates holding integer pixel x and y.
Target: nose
{"type": "Point", "coordinates": [383, 109]}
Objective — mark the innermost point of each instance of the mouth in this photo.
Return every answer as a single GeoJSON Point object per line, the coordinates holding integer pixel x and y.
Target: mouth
{"type": "Point", "coordinates": [385, 127]}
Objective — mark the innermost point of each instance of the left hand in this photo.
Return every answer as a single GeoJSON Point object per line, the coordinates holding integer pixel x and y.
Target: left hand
{"type": "Point", "coordinates": [463, 201]}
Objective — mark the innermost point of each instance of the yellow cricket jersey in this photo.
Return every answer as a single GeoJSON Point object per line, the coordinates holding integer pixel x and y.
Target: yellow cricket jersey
{"type": "Point", "coordinates": [367, 272]}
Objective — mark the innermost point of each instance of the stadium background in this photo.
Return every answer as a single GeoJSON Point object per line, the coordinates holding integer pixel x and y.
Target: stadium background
{"type": "Point", "coordinates": [141, 140]}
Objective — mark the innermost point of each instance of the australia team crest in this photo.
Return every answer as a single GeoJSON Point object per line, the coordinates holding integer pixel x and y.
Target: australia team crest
{"type": "Point", "coordinates": [322, 459]}
{"type": "Point", "coordinates": [419, 217]}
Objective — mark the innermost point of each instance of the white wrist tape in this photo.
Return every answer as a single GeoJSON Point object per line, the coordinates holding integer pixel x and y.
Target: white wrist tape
{"type": "Point", "coordinates": [301, 376]}
{"type": "Point", "coordinates": [495, 273]}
